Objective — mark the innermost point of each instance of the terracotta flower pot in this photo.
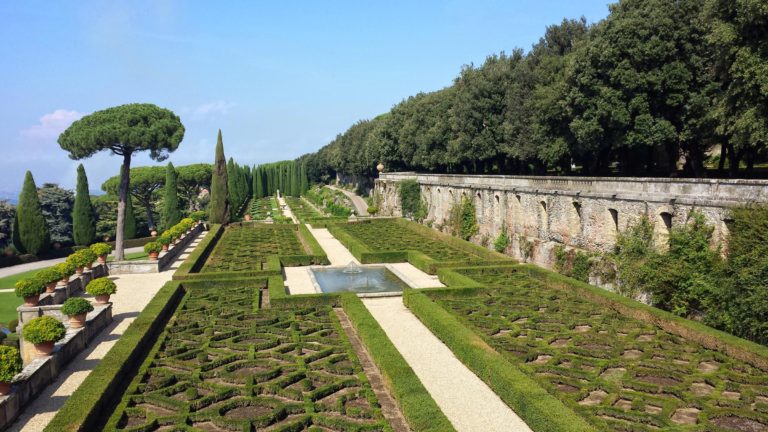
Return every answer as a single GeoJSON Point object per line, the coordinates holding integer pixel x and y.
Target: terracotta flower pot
{"type": "Point", "coordinates": [102, 259]}
{"type": "Point", "coordinates": [77, 321]}
{"type": "Point", "coordinates": [44, 349]}
{"type": "Point", "coordinates": [153, 256]}
{"type": "Point", "coordinates": [165, 248]}
{"type": "Point", "coordinates": [89, 266]}
{"type": "Point", "coordinates": [106, 238]}
{"type": "Point", "coordinates": [5, 388]}
{"type": "Point", "coordinates": [102, 299]}
{"type": "Point", "coordinates": [79, 271]}
{"type": "Point", "coordinates": [51, 287]}
{"type": "Point", "coordinates": [64, 282]}
{"type": "Point", "coordinates": [31, 301]}
{"type": "Point", "coordinates": [247, 217]}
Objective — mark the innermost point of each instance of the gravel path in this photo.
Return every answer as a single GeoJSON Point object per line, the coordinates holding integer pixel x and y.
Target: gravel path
{"type": "Point", "coordinates": [361, 207]}
{"type": "Point", "coordinates": [134, 291]}
{"type": "Point", "coordinates": [338, 255]}
{"type": "Point", "coordinates": [21, 268]}
{"type": "Point", "coordinates": [466, 400]}
{"type": "Point", "coordinates": [286, 210]}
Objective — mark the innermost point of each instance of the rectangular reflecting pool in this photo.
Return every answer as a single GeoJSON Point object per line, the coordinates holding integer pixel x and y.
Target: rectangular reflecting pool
{"type": "Point", "coordinates": [363, 280]}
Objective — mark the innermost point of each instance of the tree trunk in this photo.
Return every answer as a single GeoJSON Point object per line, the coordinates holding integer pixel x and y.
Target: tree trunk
{"type": "Point", "coordinates": [721, 162]}
{"type": "Point", "coordinates": [125, 178]}
{"type": "Point", "coordinates": [733, 162]}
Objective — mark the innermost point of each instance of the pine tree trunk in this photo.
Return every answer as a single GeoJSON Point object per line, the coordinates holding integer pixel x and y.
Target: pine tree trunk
{"type": "Point", "coordinates": [122, 198]}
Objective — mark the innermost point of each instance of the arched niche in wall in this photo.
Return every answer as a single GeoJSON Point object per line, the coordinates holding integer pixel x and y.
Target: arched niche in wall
{"type": "Point", "coordinates": [662, 226]}
{"type": "Point", "coordinates": [611, 226]}
{"type": "Point", "coordinates": [543, 220]}
{"type": "Point", "coordinates": [574, 220]}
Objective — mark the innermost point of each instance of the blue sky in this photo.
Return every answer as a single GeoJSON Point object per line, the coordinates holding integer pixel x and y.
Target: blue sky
{"type": "Point", "coordinates": [279, 78]}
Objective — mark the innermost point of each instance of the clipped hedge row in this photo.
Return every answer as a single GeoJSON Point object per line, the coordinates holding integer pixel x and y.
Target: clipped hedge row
{"type": "Point", "coordinates": [486, 254]}
{"type": "Point", "coordinates": [196, 259]}
{"type": "Point", "coordinates": [317, 251]}
{"type": "Point", "coordinates": [101, 390]}
{"type": "Point", "coordinates": [416, 404]}
{"type": "Point", "coordinates": [539, 409]}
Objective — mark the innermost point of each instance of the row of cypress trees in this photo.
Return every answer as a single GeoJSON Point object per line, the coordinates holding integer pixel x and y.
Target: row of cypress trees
{"type": "Point", "coordinates": [289, 177]}
{"type": "Point", "coordinates": [31, 234]}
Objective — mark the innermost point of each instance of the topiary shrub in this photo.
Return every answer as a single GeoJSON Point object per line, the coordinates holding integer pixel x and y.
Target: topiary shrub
{"type": "Point", "coordinates": [29, 287]}
{"type": "Point", "coordinates": [101, 249]}
{"type": "Point", "coordinates": [44, 329]}
{"type": "Point", "coordinates": [76, 306]}
{"type": "Point", "coordinates": [153, 247]}
{"type": "Point", "coordinates": [164, 239]}
{"type": "Point", "coordinates": [373, 210]}
{"type": "Point", "coordinates": [49, 275]}
{"type": "Point", "coordinates": [65, 269]}
{"type": "Point", "coordinates": [10, 363]}
{"type": "Point", "coordinates": [101, 286]}
{"type": "Point", "coordinates": [82, 258]}
{"type": "Point", "coordinates": [199, 215]}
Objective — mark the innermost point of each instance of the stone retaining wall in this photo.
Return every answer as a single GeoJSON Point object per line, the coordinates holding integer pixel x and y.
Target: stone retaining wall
{"type": "Point", "coordinates": [577, 212]}
{"type": "Point", "coordinates": [165, 258]}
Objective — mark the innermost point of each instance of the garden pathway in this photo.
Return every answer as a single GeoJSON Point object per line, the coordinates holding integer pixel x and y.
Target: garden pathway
{"type": "Point", "coordinates": [338, 255]}
{"type": "Point", "coordinates": [466, 400]}
{"type": "Point", "coordinates": [361, 207]}
{"type": "Point", "coordinates": [134, 291]}
{"type": "Point", "coordinates": [21, 268]}
{"type": "Point", "coordinates": [286, 210]}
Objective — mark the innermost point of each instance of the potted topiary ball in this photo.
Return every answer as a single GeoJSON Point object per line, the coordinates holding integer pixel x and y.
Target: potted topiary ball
{"type": "Point", "coordinates": [101, 288]}
{"type": "Point", "coordinates": [76, 308]}
{"type": "Point", "coordinates": [50, 277]}
{"type": "Point", "coordinates": [101, 250]}
{"type": "Point", "coordinates": [44, 332]}
{"type": "Point", "coordinates": [10, 366]}
{"type": "Point", "coordinates": [153, 250]}
{"type": "Point", "coordinates": [66, 270]}
{"type": "Point", "coordinates": [29, 289]}
{"type": "Point", "coordinates": [88, 257]}
{"type": "Point", "coordinates": [78, 261]}
{"type": "Point", "coordinates": [164, 240]}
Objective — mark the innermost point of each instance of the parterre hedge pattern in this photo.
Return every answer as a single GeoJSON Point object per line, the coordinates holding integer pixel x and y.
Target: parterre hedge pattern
{"type": "Point", "coordinates": [389, 235]}
{"type": "Point", "coordinates": [260, 208]}
{"type": "Point", "coordinates": [619, 373]}
{"type": "Point", "coordinates": [246, 247]}
{"type": "Point", "coordinates": [302, 209]}
{"type": "Point", "coordinates": [223, 364]}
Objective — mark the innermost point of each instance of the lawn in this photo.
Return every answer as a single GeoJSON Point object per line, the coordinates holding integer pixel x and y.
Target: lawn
{"type": "Point", "coordinates": [619, 373]}
{"type": "Point", "coordinates": [224, 364]}
{"type": "Point", "coordinates": [8, 304]}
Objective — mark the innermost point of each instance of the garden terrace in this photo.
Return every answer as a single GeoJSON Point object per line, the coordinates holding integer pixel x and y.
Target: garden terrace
{"type": "Point", "coordinates": [260, 208]}
{"type": "Point", "coordinates": [225, 364]}
{"type": "Point", "coordinates": [248, 247]}
{"type": "Point", "coordinates": [394, 240]}
{"type": "Point", "coordinates": [302, 209]}
{"type": "Point", "coordinates": [618, 372]}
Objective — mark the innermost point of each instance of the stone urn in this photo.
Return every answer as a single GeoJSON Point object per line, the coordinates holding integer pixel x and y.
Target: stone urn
{"type": "Point", "coordinates": [77, 321]}
{"type": "Point", "coordinates": [44, 349]}
{"type": "Point", "coordinates": [380, 167]}
{"type": "Point", "coordinates": [106, 238]}
{"type": "Point", "coordinates": [153, 233]}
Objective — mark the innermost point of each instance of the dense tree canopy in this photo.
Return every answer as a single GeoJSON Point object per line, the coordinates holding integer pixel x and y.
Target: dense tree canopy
{"type": "Point", "coordinates": [124, 130]}
{"type": "Point", "coordinates": [144, 186]}
{"type": "Point", "coordinates": [56, 204]}
{"type": "Point", "coordinates": [656, 88]}
{"type": "Point", "coordinates": [191, 179]}
{"type": "Point", "coordinates": [7, 213]}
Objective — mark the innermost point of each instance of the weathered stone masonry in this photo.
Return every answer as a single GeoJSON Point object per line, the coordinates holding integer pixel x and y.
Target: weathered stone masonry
{"type": "Point", "coordinates": [580, 212]}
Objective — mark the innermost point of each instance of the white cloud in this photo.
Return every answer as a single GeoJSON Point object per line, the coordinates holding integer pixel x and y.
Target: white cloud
{"type": "Point", "coordinates": [50, 126]}
{"type": "Point", "coordinates": [209, 110]}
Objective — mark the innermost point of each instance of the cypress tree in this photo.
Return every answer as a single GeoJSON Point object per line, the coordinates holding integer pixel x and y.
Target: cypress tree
{"type": "Point", "coordinates": [304, 179]}
{"type": "Point", "coordinates": [171, 213]}
{"type": "Point", "coordinates": [129, 228]}
{"type": "Point", "coordinates": [258, 186]}
{"type": "Point", "coordinates": [83, 220]}
{"type": "Point", "coordinates": [30, 230]}
{"type": "Point", "coordinates": [219, 204]}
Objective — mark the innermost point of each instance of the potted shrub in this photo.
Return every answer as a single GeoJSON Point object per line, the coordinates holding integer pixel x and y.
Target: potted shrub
{"type": "Point", "coordinates": [101, 288]}
{"type": "Point", "coordinates": [153, 250]}
{"type": "Point", "coordinates": [76, 308]}
{"type": "Point", "coordinates": [78, 260]}
{"type": "Point", "coordinates": [164, 240]}
{"type": "Point", "coordinates": [50, 277]}
{"type": "Point", "coordinates": [29, 289]}
{"type": "Point", "coordinates": [44, 332]}
{"type": "Point", "coordinates": [101, 250]}
{"type": "Point", "coordinates": [66, 270]}
{"type": "Point", "coordinates": [88, 257]}
{"type": "Point", "coordinates": [10, 366]}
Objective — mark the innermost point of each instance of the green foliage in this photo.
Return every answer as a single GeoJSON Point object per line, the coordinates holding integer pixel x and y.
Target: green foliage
{"type": "Point", "coordinates": [82, 258]}
{"type": "Point", "coordinates": [76, 306]}
{"type": "Point", "coordinates": [49, 275]}
{"type": "Point", "coordinates": [56, 204]}
{"type": "Point", "coordinates": [66, 269]}
{"type": "Point", "coordinates": [502, 241]}
{"type": "Point", "coordinates": [10, 363]}
{"type": "Point", "coordinates": [101, 249]}
{"type": "Point", "coordinates": [572, 263]}
{"type": "Point", "coordinates": [171, 213]}
{"type": "Point", "coordinates": [83, 215]}
{"type": "Point", "coordinates": [101, 286]}
{"type": "Point", "coordinates": [153, 247]}
{"type": "Point", "coordinates": [191, 179]}
{"type": "Point", "coordinates": [462, 220]}
{"type": "Point", "coordinates": [29, 287]}
{"type": "Point", "coordinates": [635, 248]}
{"type": "Point", "coordinates": [7, 216]}
{"type": "Point", "coordinates": [199, 215]}
{"type": "Point", "coordinates": [741, 306]}
{"type": "Point", "coordinates": [44, 329]}
{"type": "Point", "coordinates": [218, 208]}
{"type": "Point", "coordinates": [30, 229]}
{"type": "Point", "coordinates": [144, 187]}
{"type": "Point", "coordinates": [411, 202]}
{"type": "Point", "coordinates": [130, 226]}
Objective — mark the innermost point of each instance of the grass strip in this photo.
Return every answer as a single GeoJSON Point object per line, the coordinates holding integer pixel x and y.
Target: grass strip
{"type": "Point", "coordinates": [539, 409]}
{"type": "Point", "coordinates": [416, 404]}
